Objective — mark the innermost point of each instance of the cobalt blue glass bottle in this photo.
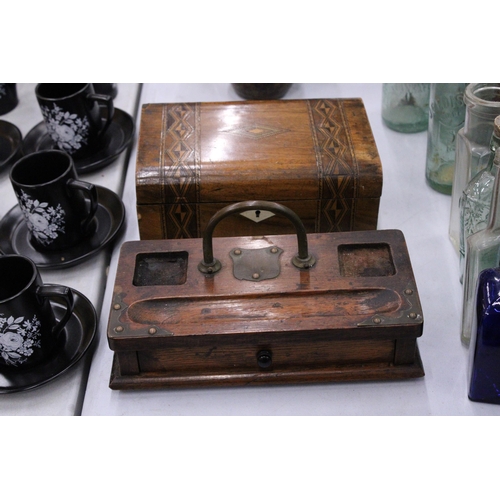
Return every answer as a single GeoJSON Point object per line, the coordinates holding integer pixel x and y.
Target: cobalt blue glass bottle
{"type": "Point", "coordinates": [485, 342]}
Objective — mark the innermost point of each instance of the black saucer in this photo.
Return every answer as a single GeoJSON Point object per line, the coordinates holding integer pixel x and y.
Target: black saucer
{"type": "Point", "coordinates": [116, 139]}
{"type": "Point", "coordinates": [75, 340]}
{"type": "Point", "coordinates": [11, 141]}
{"type": "Point", "coordinates": [15, 236]}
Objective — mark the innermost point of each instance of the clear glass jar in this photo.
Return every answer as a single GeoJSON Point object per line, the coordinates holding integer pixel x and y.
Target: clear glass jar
{"type": "Point", "coordinates": [405, 106]}
{"type": "Point", "coordinates": [446, 118]}
{"type": "Point", "coordinates": [483, 252]}
{"type": "Point", "coordinates": [482, 101]}
{"type": "Point", "coordinates": [475, 201]}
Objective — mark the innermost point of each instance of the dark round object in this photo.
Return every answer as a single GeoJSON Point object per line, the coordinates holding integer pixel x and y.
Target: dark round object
{"type": "Point", "coordinates": [264, 358]}
{"type": "Point", "coordinates": [261, 90]}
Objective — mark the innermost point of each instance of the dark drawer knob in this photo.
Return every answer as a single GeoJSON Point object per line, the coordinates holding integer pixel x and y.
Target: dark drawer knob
{"type": "Point", "coordinates": [264, 359]}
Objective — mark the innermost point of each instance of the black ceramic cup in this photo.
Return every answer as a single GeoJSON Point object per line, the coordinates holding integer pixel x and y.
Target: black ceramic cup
{"type": "Point", "coordinates": [75, 120]}
{"type": "Point", "coordinates": [58, 208]}
{"type": "Point", "coordinates": [28, 328]}
{"type": "Point", "coordinates": [8, 97]}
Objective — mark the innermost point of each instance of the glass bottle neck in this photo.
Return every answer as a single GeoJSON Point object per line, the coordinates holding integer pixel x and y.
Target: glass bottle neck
{"type": "Point", "coordinates": [482, 102]}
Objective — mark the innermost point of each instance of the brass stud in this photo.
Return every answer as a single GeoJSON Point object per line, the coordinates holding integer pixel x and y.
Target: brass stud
{"type": "Point", "coordinates": [274, 250]}
{"type": "Point", "coordinates": [152, 331]}
{"type": "Point", "coordinates": [116, 307]}
{"type": "Point", "coordinates": [255, 276]}
{"type": "Point", "coordinates": [119, 329]}
{"type": "Point", "coordinates": [412, 315]}
{"type": "Point", "coordinates": [377, 321]}
{"type": "Point", "coordinates": [408, 291]}
{"type": "Point", "coordinates": [237, 252]}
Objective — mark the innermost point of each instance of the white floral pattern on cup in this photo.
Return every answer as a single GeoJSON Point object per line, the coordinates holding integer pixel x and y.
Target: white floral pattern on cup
{"type": "Point", "coordinates": [67, 130]}
{"type": "Point", "coordinates": [18, 337]}
{"type": "Point", "coordinates": [44, 222]}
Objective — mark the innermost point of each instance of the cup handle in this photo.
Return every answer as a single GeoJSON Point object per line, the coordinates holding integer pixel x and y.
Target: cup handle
{"type": "Point", "coordinates": [108, 102]}
{"type": "Point", "coordinates": [63, 292]}
{"type": "Point", "coordinates": [91, 192]}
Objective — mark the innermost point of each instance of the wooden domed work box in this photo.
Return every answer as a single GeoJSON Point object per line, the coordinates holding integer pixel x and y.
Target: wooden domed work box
{"type": "Point", "coordinates": [264, 309]}
{"type": "Point", "coordinates": [318, 157]}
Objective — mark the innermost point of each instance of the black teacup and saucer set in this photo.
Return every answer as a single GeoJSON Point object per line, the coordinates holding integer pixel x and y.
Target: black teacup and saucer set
{"type": "Point", "coordinates": [44, 329]}
{"type": "Point", "coordinates": [59, 221]}
{"type": "Point", "coordinates": [67, 119]}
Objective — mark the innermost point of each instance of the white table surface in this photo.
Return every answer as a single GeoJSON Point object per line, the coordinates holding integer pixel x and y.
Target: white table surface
{"type": "Point", "coordinates": [64, 395]}
{"type": "Point", "coordinates": [407, 204]}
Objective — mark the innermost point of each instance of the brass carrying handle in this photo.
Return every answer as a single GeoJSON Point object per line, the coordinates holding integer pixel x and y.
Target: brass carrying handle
{"type": "Point", "coordinates": [210, 265]}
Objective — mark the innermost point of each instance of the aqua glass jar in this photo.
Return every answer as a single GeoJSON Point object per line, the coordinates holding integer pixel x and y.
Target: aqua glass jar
{"type": "Point", "coordinates": [482, 101]}
{"type": "Point", "coordinates": [405, 106]}
{"type": "Point", "coordinates": [446, 118]}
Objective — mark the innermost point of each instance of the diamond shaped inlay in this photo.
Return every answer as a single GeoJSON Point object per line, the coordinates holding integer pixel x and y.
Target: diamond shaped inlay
{"type": "Point", "coordinates": [255, 131]}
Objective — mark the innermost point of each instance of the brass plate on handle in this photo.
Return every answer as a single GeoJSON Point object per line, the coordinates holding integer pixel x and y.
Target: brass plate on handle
{"type": "Point", "coordinates": [256, 264]}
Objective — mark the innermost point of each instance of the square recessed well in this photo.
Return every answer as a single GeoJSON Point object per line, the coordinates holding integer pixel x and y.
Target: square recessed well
{"type": "Point", "coordinates": [161, 268]}
{"type": "Point", "coordinates": [368, 260]}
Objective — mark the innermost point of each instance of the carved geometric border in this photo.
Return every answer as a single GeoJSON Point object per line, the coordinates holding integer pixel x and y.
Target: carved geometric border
{"type": "Point", "coordinates": [338, 170]}
{"type": "Point", "coordinates": [180, 170]}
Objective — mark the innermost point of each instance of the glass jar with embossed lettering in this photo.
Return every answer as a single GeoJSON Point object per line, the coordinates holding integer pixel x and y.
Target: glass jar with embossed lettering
{"type": "Point", "coordinates": [472, 151]}
{"type": "Point", "coordinates": [405, 106]}
{"type": "Point", "coordinates": [446, 118]}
